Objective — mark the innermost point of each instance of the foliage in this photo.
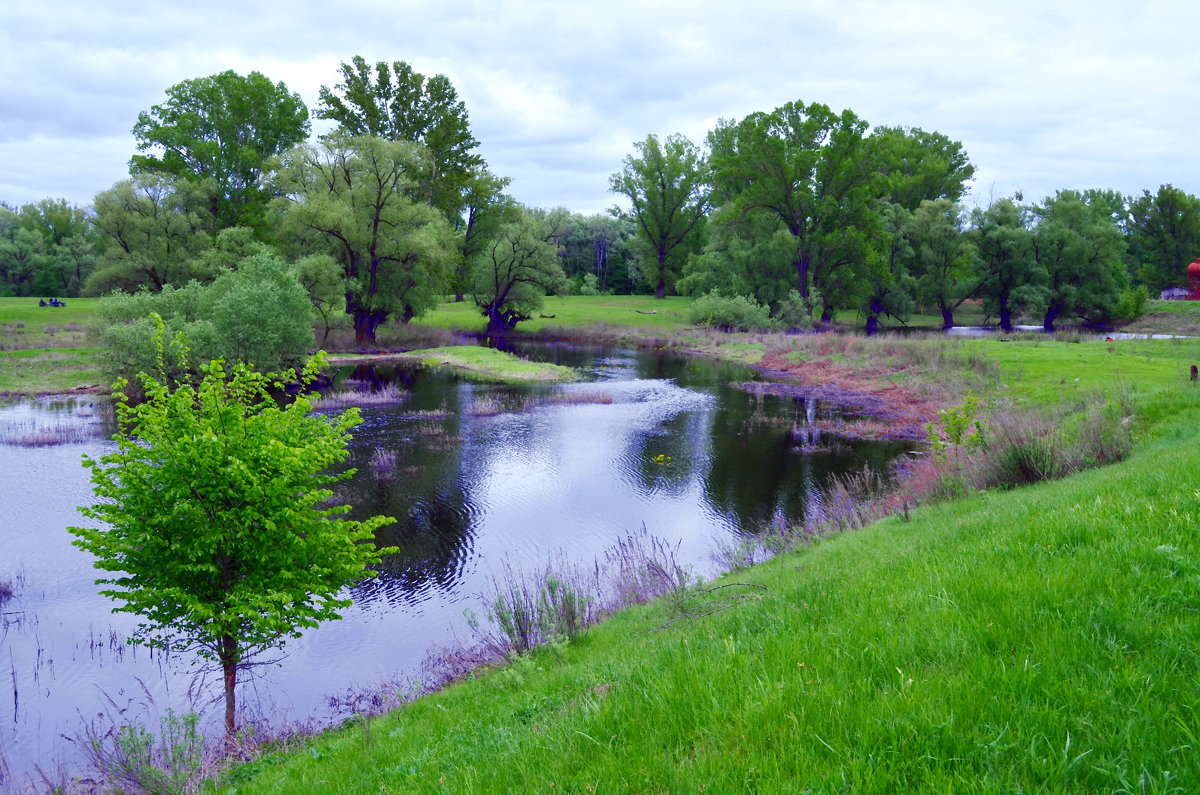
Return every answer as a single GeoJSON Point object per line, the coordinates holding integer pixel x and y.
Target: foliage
{"type": "Point", "coordinates": [258, 313]}
{"type": "Point", "coordinates": [961, 427]}
{"type": "Point", "coordinates": [47, 249]}
{"type": "Point", "coordinates": [1132, 303]}
{"type": "Point", "coordinates": [729, 313]}
{"type": "Point", "coordinates": [601, 246]}
{"type": "Point", "coordinates": [215, 516]}
{"type": "Point", "coordinates": [135, 760]}
{"type": "Point", "coordinates": [942, 257]}
{"type": "Point", "coordinates": [517, 268]}
{"type": "Point", "coordinates": [222, 128]}
{"type": "Point", "coordinates": [1009, 278]}
{"type": "Point", "coordinates": [396, 103]}
{"type": "Point", "coordinates": [153, 228]}
{"type": "Point", "coordinates": [1078, 244]}
{"type": "Point", "coordinates": [665, 183]}
{"type": "Point", "coordinates": [354, 198]}
{"type": "Point", "coordinates": [916, 166]}
{"type": "Point", "coordinates": [1164, 236]}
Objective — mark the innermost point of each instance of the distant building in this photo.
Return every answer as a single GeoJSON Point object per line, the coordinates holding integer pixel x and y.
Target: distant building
{"type": "Point", "coordinates": [1175, 294]}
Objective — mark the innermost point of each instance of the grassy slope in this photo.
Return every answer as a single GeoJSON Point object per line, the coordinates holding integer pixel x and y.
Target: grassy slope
{"type": "Point", "coordinates": [1043, 639]}
{"type": "Point", "coordinates": [473, 362]}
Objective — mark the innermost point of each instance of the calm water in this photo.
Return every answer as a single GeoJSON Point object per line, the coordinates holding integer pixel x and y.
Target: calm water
{"type": "Point", "coordinates": [678, 450]}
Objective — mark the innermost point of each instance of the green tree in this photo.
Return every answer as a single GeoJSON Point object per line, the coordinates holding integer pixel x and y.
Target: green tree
{"type": "Point", "coordinates": [1010, 278]}
{"type": "Point", "coordinates": [1081, 249]}
{"type": "Point", "coordinates": [352, 197]}
{"type": "Point", "coordinates": [665, 183]}
{"type": "Point", "coordinates": [70, 245]}
{"type": "Point", "coordinates": [915, 166]}
{"type": "Point", "coordinates": [223, 128]}
{"type": "Point", "coordinates": [1164, 236]}
{"type": "Point", "coordinates": [750, 254]}
{"type": "Point", "coordinates": [216, 524]}
{"type": "Point", "coordinates": [942, 257]}
{"type": "Point", "coordinates": [890, 286]}
{"type": "Point", "coordinates": [257, 313]}
{"type": "Point", "coordinates": [517, 268]}
{"type": "Point", "coordinates": [810, 168]}
{"type": "Point", "coordinates": [153, 228]}
{"type": "Point", "coordinates": [395, 102]}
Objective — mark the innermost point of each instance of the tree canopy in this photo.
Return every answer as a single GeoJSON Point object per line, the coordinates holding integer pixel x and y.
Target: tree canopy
{"type": "Point", "coordinates": [223, 128]}
{"type": "Point", "coordinates": [517, 268]}
{"type": "Point", "coordinates": [395, 102]}
{"type": "Point", "coordinates": [353, 197]}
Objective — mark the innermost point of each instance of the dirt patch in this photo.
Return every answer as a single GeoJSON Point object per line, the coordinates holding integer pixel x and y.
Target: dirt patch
{"type": "Point", "coordinates": [890, 411]}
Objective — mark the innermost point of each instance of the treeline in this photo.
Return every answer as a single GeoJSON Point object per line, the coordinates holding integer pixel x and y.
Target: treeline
{"type": "Point", "coordinates": [796, 213]}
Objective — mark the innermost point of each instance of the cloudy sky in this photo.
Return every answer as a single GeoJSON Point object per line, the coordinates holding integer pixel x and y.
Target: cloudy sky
{"type": "Point", "coordinates": [1044, 95]}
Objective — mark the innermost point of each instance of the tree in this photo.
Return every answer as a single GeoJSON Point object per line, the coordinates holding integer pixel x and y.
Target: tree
{"type": "Point", "coordinates": [1164, 236]}
{"type": "Point", "coordinates": [153, 228]}
{"type": "Point", "coordinates": [890, 285]}
{"type": "Point", "coordinates": [942, 257]}
{"type": "Point", "coordinates": [399, 104]}
{"type": "Point", "coordinates": [70, 245]}
{"type": "Point", "coordinates": [352, 197]}
{"type": "Point", "coordinates": [916, 166]}
{"type": "Point", "coordinates": [1009, 276]}
{"type": "Point", "coordinates": [222, 128]}
{"type": "Point", "coordinates": [809, 167]}
{"type": "Point", "coordinates": [665, 183]}
{"type": "Point", "coordinates": [1079, 246]}
{"type": "Point", "coordinates": [216, 522]}
{"type": "Point", "coordinates": [517, 268]}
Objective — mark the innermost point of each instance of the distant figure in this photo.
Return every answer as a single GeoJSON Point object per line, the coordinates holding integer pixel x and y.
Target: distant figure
{"type": "Point", "coordinates": [1195, 373]}
{"type": "Point", "coordinates": [41, 302]}
{"type": "Point", "coordinates": [1108, 339]}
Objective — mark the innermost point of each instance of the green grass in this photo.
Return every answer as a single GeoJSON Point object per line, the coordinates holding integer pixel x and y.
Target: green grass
{"type": "Point", "coordinates": [473, 362]}
{"type": "Point", "coordinates": [1044, 639]}
{"type": "Point", "coordinates": [620, 312]}
{"type": "Point", "coordinates": [46, 349]}
{"type": "Point", "coordinates": [1168, 317]}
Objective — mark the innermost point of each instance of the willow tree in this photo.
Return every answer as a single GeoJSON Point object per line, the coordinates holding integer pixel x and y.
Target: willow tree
{"type": "Point", "coordinates": [215, 518]}
{"type": "Point", "coordinates": [355, 198]}
{"type": "Point", "coordinates": [517, 267]}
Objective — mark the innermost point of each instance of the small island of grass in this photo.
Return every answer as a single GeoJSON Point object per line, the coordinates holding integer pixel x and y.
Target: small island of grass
{"type": "Point", "coordinates": [475, 363]}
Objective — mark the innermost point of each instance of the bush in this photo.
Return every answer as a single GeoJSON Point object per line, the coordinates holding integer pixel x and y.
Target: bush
{"type": "Point", "coordinates": [1131, 303]}
{"type": "Point", "coordinates": [738, 313]}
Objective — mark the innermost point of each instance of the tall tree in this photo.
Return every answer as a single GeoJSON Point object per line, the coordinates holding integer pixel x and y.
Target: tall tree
{"type": "Point", "coordinates": [942, 257]}
{"type": "Point", "coordinates": [1010, 278]}
{"type": "Point", "coordinates": [665, 184]}
{"type": "Point", "coordinates": [889, 285]}
{"type": "Point", "coordinates": [222, 128]}
{"type": "Point", "coordinates": [810, 168]}
{"type": "Point", "coordinates": [70, 244]}
{"type": "Point", "coordinates": [353, 198]}
{"type": "Point", "coordinates": [153, 228]}
{"type": "Point", "coordinates": [395, 102]}
{"type": "Point", "coordinates": [1164, 236]}
{"type": "Point", "coordinates": [517, 268]}
{"type": "Point", "coordinates": [216, 521]}
{"type": "Point", "coordinates": [1079, 246]}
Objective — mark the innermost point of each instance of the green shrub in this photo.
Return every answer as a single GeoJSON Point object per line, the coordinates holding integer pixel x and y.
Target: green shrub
{"type": "Point", "coordinates": [737, 313]}
{"type": "Point", "coordinates": [1131, 303]}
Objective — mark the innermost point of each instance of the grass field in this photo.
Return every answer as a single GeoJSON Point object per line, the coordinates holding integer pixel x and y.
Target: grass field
{"type": "Point", "coordinates": [1045, 639]}
{"type": "Point", "coordinates": [46, 349]}
{"type": "Point", "coordinates": [626, 312]}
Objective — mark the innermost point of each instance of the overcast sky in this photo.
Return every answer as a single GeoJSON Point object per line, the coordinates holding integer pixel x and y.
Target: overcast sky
{"type": "Point", "coordinates": [1044, 95]}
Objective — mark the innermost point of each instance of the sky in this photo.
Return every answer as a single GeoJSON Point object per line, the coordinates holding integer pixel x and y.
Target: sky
{"type": "Point", "coordinates": [1043, 95]}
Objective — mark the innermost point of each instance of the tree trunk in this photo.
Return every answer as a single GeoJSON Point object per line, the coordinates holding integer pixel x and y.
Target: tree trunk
{"type": "Point", "coordinates": [660, 289]}
{"type": "Point", "coordinates": [947, 319]}
{"type": "Point", "coordinates": [229, 663]}
{"type": "Point", "coordinates": [365, 324]}
{"type": "Point", "coordinates": [1052, 313]}
{"type": "Point", "coordinates": [1005, 316]}
{"type": "Point", "coordinates": [498, 324]}
{"type": "Point", "coordinates": [873, 313]}
{"type": "Point", "coordinates": [802, 274]}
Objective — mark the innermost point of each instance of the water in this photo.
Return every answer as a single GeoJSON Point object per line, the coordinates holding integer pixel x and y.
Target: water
{"type": "Point", "coordinates": [678, 450]}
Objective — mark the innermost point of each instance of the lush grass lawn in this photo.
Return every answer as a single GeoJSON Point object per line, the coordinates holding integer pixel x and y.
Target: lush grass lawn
{"type": "Point", "coordinates": [1045, 639]}
{"type": "Point", "coordinates": [632, 312]}
{"type": "Point", "coordinates": [46, 349]}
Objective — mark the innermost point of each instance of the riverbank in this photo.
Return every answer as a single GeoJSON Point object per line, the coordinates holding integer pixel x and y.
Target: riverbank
{"type": "Point", "coordinates": [1043, 638]}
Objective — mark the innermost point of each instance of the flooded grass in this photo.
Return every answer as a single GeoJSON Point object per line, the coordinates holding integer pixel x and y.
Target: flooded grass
{"type": "Point", "coordinates": [361, 395]}
{"type": "Point", "coordinates": [581, 397]}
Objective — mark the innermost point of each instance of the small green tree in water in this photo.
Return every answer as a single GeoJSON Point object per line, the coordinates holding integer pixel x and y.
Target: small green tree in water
{"type": "Point", "coordinates": [219, 529]}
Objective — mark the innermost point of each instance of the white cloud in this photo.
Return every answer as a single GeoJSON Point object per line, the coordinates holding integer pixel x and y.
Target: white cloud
{"type": "Point", "coordinates": [1044, 94]}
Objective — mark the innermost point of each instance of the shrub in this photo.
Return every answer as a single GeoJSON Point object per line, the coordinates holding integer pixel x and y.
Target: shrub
{"type": "Point", "coordinates": [1131, 303]}
{"type": "Point", "coordinates": [738, 313]}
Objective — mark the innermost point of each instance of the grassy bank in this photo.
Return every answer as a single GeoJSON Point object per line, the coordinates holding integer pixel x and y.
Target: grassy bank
{"type": "Point", "coordinates": [46, 349]}
{"type": "Point", "coordinates": [475, 363]}
{"type": "Point", "coordinates": [1039, 639]}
